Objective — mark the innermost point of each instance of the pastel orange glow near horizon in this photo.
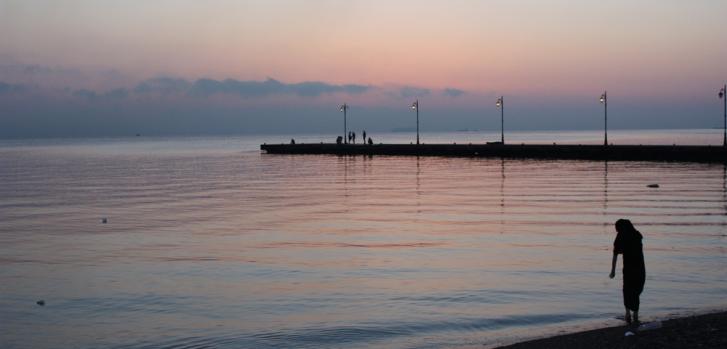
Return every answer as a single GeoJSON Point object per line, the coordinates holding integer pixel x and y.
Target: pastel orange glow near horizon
{"type": "Point", "coordinates": [530, 47]}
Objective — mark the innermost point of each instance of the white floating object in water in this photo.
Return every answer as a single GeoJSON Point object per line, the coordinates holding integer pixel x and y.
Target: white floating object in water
{"type": "Point", "coordinates": [629, 333]}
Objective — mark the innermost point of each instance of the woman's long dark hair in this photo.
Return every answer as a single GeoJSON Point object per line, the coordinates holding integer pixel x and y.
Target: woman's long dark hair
{"type": "Point", "coordinates": [624, 226]}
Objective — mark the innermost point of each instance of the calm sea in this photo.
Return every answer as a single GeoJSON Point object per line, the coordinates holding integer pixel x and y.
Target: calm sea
{"type": "Point", "coordinates": [211, 244]}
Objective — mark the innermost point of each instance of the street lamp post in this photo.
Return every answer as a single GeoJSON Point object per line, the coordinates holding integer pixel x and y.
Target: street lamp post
{"type": "Point", "coordinates": [722, 95]}
{"type": "Point", "coordinates": [501, 105]}
{"type": "Point", "coordinates": [415, 107]}
{"type": "Point", "coordinates": [344, 109]}
{"type": "Point", "coordinates": [604, 101]}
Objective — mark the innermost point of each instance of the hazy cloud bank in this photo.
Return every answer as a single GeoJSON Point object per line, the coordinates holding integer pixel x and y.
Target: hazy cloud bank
{"type": "Point", "coordinates": [39, 102]}
{"type": "Point", "coordinates": [111, 83]}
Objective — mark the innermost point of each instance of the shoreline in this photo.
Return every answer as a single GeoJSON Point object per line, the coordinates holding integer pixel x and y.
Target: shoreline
{"type": "Point", "coordinates": [705, 330]}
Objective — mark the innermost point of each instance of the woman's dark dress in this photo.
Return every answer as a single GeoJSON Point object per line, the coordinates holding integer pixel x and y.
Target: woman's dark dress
{"type": "Point", "coordinates": [634, 273]}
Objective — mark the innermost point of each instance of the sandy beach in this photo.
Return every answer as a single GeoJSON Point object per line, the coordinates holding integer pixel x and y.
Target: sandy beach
{"type": "Point", "coordinates": [700, 331]}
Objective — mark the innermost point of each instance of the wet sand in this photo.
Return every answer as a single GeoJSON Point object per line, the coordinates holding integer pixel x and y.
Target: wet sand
{"type": "Point", "coordinates": [702, 331]}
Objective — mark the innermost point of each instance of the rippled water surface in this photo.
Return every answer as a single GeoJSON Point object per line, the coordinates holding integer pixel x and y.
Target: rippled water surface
{"type": "Point", "coordinates": [211, 244]}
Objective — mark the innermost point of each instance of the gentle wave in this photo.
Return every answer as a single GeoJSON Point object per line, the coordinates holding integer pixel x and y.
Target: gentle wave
{"type": "Point", "coordinates": [207, 244]}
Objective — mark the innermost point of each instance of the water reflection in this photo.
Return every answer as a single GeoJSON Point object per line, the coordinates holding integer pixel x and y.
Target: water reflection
{"type": "Point", "coordinates": [345, 161]}
{"type": "Point", "coordinates": [607, 225]}
{"type": "Point", "coordinates": [418, 187]}
{"type": "Point", "coordinates": [368, 163]}
{"type": "Point", "coordinates": [724, 198]}
{"type": "Point", "coordinates": [502, 195]}
{"type": "Point", "coordinates": [250, 250]}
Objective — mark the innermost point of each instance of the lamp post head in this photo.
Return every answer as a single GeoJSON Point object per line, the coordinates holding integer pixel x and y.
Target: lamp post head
{"type": "Point", "coordinates": [499, 102]}
{"type": "Point", "coordinates": [603, 98]}
{"type": "Point", "coordinates": [415, 105]}
{"type": "Point", "coordinates": [344, 107]}
{"type": "Point", "coordinates": [721, 93]}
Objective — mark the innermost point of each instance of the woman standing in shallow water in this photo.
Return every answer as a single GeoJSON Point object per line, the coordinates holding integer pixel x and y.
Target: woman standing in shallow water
{"type": "Point", "coordinates": [628, 243]}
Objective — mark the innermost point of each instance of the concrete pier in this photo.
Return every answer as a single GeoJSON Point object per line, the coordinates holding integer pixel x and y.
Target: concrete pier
{"type": "Point", "coordinates": [681, 153]}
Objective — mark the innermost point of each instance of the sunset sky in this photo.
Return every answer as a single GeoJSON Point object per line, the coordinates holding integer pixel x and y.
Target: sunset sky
{"type": "Point", "coordinates": [661, 61]}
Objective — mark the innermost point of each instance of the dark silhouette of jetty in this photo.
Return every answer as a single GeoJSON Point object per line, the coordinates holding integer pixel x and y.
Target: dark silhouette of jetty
{"type": "Point", "coordinates": [680, 153]}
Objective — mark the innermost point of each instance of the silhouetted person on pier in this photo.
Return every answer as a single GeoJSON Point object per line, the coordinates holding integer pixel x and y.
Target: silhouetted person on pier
{"type": "Point", "coordinates": [364, 136]}
{"type": "Point", "coordinates": [628, 243]}
{"type": "Point", "coordinates": [353, 134]}
{"type": "Point", "coordinates": [292, 141]}
{"type": "Point", "coordinates": [350, 136]}
{"type": "Point", "coordinates": [370, 141]}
